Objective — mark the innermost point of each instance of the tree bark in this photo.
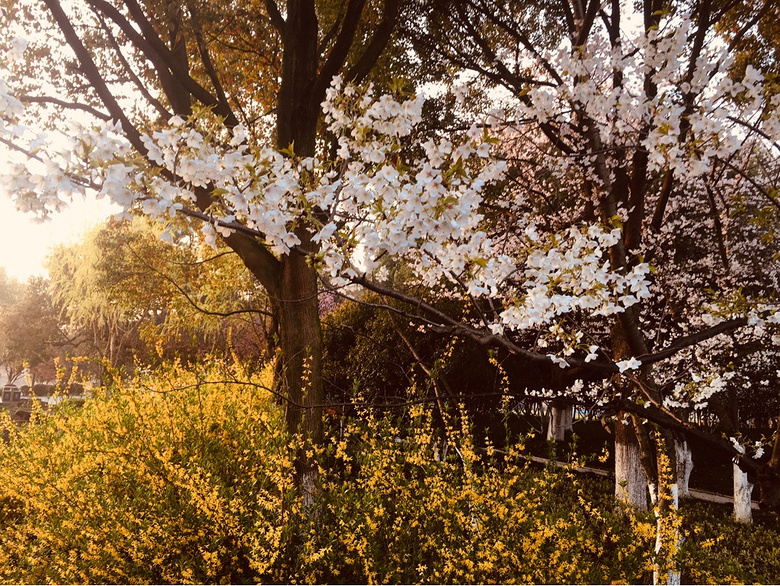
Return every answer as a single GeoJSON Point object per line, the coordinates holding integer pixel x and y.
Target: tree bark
{"type": "Point", "coordinates": [635, 471]}
{"type": "Point", "coordinates": [743, 491]}
{"type": "Point", "coordinates": [301, 364]}
{"type": "Point", "coordinates": [560, 417]}
{"type": "Point", "coordinates": [298, 109]}
{"type": "Point", "coordinates": [630, 479]}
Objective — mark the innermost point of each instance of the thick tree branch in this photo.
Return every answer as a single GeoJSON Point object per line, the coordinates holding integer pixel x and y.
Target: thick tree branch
{"type": "Point", "coordinates": [205, 57]}
{"type": "Point", "coordinates": [93, 74]}
{"type": "Point", "coordinates": [594, 369]}
{"type": "Point", "coordinates": [663, 199]}
{"type": "Point", "coordinates": [693, 339]}
{"type": "Point", "coordinates": [156, 104]}
{"type": "Point", "coordinates": [67, 105]}
{"type": "Point", "coordinates": [667, 421]}
{"type": "Point", "coordinates": [340, 50]}
{"type": "Point", "coordinates": [569, 16]}
{"type": "Point", "coordinates": [170, 85]}
{"type": "Point", "coordinates": [167, 66]}
{"type": "Point", "coordinates": [702, 28]}
{"type": "Point", "coordinates": [247, 243]}
{"type": "Point", "coordinates": [587, 24]}
{"type": "Point", "coordinates": [275, 16]}
{"type": "Point", "coordinates": [720, 234]}
{"type": "Point", "coordinates": [381, 37]}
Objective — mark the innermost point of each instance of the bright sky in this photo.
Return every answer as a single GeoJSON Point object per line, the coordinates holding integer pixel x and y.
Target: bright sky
{"type": "Point", "coordinates": [25, 243]}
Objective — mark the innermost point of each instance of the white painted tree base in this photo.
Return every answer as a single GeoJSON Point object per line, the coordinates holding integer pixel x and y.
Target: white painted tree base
{"type": "Point", "coordinates": [684, 467]}
{"type": "Point", "coordinates": [743, 491]}
{"type": "Point", "coordinates": [561, 418]}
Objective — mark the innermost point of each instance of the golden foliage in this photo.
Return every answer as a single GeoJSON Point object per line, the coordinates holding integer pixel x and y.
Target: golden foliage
{"type": "Point", "coordinates": [171, 479]}
{"type": "Point", "coordinates": [186, 476]}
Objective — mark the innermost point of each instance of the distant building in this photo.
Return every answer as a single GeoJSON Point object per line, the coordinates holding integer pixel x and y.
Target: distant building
{"type": "Point", "coordinates": [11, 394]}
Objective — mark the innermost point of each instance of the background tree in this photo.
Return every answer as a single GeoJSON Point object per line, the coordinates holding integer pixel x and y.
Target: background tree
{"type": "Point", "coordinates": [30, 334]}
{"type": "Point", "coordinates": [9, 289]}
{"type": "Point", "coordinates": [131, 298]}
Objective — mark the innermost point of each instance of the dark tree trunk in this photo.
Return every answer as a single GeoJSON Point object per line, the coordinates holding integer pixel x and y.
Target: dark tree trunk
{"type": "Point", "coordinates": [300, 362]}
{"type": "Point", "coordinates": [769, 477]}
{"type": "Point", "coordinates": [296, 304]}
{"type": "Point", "coordinates": [298, 109]}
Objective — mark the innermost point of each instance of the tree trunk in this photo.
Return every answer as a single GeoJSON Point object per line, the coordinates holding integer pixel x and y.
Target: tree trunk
{"type": "Point", "coordinates": [743, 491]}
{"type": "Point", "coordinates": [635, 470]}
{"type": "Point", "coordinates": [684, 467]}
{"type": "Point", "coordinates": [300, 364]}
{"type": "Point", "coordinates": [630, 478]}
{"type": "Point", "coordinates": [768, 477]}
{"type": "Point", "coordinates": [298, 110]}
{"type": "Point", "coordinates": [560, 417]}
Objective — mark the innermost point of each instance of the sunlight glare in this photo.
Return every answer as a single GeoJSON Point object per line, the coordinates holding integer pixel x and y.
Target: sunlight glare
{"type": "Point", "coordinates": [26, 244]}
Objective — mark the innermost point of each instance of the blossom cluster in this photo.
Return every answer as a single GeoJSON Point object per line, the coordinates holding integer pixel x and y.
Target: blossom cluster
{"type": "Point", "coordinates": [571, 274]}
{"type": "Point", "coordinates": [700, 389]}
{"type": "Point", "coordinates": [713, 108]}
{"type": "Point", "coordinates": [386, 193]}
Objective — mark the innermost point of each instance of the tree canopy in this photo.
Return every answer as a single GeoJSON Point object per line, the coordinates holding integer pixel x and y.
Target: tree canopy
{"type": "Point", "coordinates": [126, 296]}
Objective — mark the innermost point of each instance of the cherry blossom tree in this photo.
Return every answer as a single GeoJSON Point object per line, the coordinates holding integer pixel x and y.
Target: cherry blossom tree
{"type": "Point", "coordinates": [614, 126]}
{"type": "Point", "coordinates": [636, 115]}
{"type": "Point", "coordinates": [101, 75]}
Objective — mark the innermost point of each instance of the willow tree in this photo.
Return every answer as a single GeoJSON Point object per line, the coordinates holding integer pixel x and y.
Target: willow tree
{"type": "Point", "coordinates": [128, 297]}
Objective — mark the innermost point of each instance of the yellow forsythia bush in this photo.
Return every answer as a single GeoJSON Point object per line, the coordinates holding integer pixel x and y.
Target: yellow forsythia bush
{"type": "Point", "coordinates": [404, 506]}
{"type": "Point", "coordinates": [186, 476]}
{"type": "Point", "coordinates": [175, 478]}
